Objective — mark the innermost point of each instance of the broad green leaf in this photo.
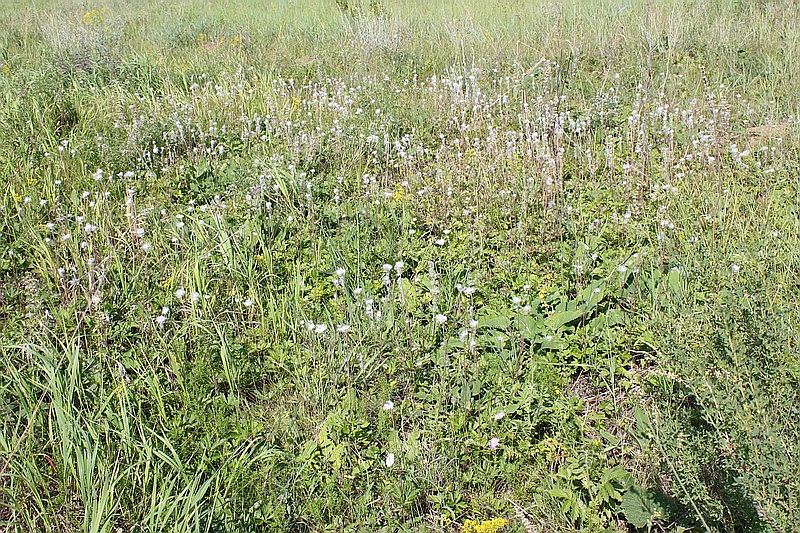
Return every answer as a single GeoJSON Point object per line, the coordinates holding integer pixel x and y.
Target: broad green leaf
{"type": "Point", "coordinates": [409, 294]}
{"type": "Point", "coordinates": [640, 507]}
{"type": "Point", "coordinates": [592, 295]}
{"type": "Point", "coordinates": [560, 319]}
{"type": "Point", "coordinates": [493, 319]}
{"type": "Point", "coordinates": [642, 420]}
{"type": "Point", "coordinates": [531, 327]}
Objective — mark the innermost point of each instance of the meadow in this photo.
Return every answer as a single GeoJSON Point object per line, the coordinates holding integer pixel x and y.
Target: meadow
{"type": "Point", "coordinates": [399, 265]}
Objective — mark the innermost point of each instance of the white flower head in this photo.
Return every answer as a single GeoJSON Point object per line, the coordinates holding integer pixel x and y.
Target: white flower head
{"type": "Point", "coordinates": [180, 293]}
{"type": "Point", "coordinates": [494, 442]}
{"type": "Point", "coordinates": [440, 319]}
{"type": "Point", "coordinates": [388, 405]}
{"type": "Point", "coordinates": [499, 416]}
{"type": "Point", "coordinates": [320, 328]}
{"type": "Point", "coordinates": [389, 460]}
{"type": "Point", "coordinates": [342, 328]}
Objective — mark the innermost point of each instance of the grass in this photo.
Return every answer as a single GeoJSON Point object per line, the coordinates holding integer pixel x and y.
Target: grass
{"type": "Point", "coordinates": [399, 266]}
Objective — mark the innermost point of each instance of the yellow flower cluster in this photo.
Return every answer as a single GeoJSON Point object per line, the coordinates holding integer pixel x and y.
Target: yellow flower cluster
{"type": "Point", "coordinates": [400, 194]}
{"type": "Point", "coordinates": [94, 14]}
{"type": "Point", "coordinates": [487, 526]}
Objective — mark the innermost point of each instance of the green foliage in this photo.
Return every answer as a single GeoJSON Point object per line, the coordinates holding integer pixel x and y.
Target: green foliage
{"type": "Point", "coordinates": [719, 405]}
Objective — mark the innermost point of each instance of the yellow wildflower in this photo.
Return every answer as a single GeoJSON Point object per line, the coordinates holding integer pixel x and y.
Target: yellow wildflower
{"type": "Point", "coordinates": [400, 194]}
{"type": "Point", "coordinates": [487, 526]}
